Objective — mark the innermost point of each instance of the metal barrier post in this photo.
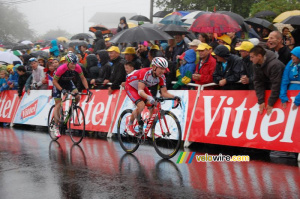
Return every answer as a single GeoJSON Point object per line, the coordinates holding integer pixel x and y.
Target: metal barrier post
{"type": "Point", "coordinates": [109, 134]}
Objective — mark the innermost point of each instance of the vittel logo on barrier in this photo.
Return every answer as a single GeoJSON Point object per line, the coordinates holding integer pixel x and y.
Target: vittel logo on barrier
{"type": "Point", "coordinates": [6, 106]}
{"type": "Point", "coordinates": [30, 110]}
{"type": "Point", "coordinates": [225, 106]}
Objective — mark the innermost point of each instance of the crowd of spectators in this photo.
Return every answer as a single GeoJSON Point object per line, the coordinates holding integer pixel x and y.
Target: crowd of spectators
{"type": "Point", "coordinates": [230, 62]}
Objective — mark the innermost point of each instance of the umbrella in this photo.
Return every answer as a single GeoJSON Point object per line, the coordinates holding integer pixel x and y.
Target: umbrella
{"type": "Point", "coordinates": [262, 23]}
{"type": "Point", "coordinates": [139, 34]}
{"type": "Point", "coordinates": [179, 13]}
{"type": "Point", "coordinates": [15, 52]}
{"type": "Point", "coordinates": [139, 18]}
{"type": "Point", "coordinates": [103, 29]}
{"type": "Point", "coordinates": [131, 25]}
{"type": "Point", "coordinates": [173, 29]}
{"type": "Point", "coordinates": [190, 18]}
{"type": "Point", "coordinates": [74, 43]}
{"type": "Point", "coordinates": [150, 25]}
{"type": "Point", "coordinates": [82, 36]}
{"type": "Point", "coordinates": [191, 35]}
{"type": "Point", "coordinates": [265, 13]}
{"type": "Point", "coordinates": [215, 23]}
{"type": "Point", "coordinates": [280, 26]}
{"type": "Point", "coordinates": [26, 42]}
{"type": "Point", "coordinates": [191, 15]}
{"type": "Point", "coordinates": [40, 53]}
{"type": "Point", "coordinates": [21, 47]}
{"type": "Point", "coordinates": [190, 21]}
{"type": "Point", "coordinates": [238, 18]}
{"type": "Point", "coordinates": [62, 39]}
{"type": "Point", "coordinates": [161, 13]}
{"type": "Point", "coordinates": [285, 15]}
{"type": "Point", "coordinates": [293, 20]}
{"type": "Point", "coordinates": [8, 57]}
{"type": "Point", "coordinates": [172, 19]}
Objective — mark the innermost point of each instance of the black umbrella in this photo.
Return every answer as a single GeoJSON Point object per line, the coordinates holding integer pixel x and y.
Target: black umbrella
{"type": "Point", "coordinates": [139, 34]}
{"type": "Point", "coordinates": [199, 14]}
{"type": "Point", "coordinates": [139, 18]}
{"type": "Point", "coordinates": [21, 47]}
{"type": "Point", "coordinates": [265, 13]}
{"type": "Point", "coordinates": [191, 35]}
{"type": "Point", "coordinates": [74, 43]}
{"type": "Point", "coordinates": [238, 18]}
{"type": "Point", "coordinates": [82, 36]}
{"type": "Point", "coordinates": [293, 20]}
{"type": "Point", "coordinates": [161, 13]}
{"type": "Point", "coordinates": [42, 54]}
{"type": "Point", "coordinates": [173, 29]}
{"type": "Point", "coordinates": [261, 23]}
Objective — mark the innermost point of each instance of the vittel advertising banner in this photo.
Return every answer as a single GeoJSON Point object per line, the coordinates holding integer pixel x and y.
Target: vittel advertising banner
{"type": "Point", "coordinates": [98, 110]}
{"type": "Point", "coordinates": [9, 102]}
{"type": "Point", "coordinates": [233, 118]}
{"type": "Point", "coordinates": [34, 108]}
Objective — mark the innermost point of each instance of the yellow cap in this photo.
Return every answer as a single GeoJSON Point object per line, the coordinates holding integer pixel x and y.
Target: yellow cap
{"type": "Point", "coordinates": [225, 38]}
{"type": "Point", "coordinates": [129, 50]}
{"type": "Point", "coordinates": [154, 47]}
{"type": "Point", "coordinates": [62, 59]}
{"type": "Point", "coordinates": [9, 67]}
{"type": "Point", "coordinates": [229, 48]}
{"type": "Point", "coordinates": [203, 46]}
{"type": "Point", "coordinates": [246, 45]}
{"type": "Point", "coordinates": [114, 48]}
{"type": "Point", "coordinates": [107, 39]}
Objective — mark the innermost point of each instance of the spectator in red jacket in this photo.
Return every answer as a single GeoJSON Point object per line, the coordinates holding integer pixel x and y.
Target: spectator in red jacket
{"type": "Point", "coordinates": [206, 67]}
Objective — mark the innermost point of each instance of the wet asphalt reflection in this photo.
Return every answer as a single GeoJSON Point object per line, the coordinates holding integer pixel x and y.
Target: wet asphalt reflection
{"type": "Point", "coordinates": [33, 166]}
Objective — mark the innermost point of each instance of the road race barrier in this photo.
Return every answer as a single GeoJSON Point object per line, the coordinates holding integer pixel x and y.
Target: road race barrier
{"type": "Point", "coordinates": [207, 116]}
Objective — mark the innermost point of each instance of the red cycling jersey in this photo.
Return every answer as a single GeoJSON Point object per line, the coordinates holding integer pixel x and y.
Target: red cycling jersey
{"type": "Point", "coordinates": [145, 76]}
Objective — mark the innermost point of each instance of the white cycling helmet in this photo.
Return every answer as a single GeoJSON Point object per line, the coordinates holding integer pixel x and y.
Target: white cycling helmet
{"type": "Point", "coordinates": [160, 62]}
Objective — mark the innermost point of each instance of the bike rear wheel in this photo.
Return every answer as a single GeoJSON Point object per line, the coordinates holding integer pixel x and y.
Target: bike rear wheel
{"type": "Point", "coordinates": [51, 124]}
{"type": "Point", "coordinates": [128, 143]}
{"type": "Point", "coordinates": [76, 124]}
{"type": "Point", "coordinates": [166, 135]}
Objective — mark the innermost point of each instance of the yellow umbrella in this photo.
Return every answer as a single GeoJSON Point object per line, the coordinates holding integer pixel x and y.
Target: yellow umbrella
{"type": "Point", "coordinates": [61, 39]}
{"type": "Point", "coordinates": [131, 25]}
{"type": "Point", "coordinates": [285, 15]}
{"type": "Point", "coordinates": [2, 49]}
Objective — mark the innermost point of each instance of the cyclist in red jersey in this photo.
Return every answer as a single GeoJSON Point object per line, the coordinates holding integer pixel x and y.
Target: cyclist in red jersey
{"type": "Point", "coordinates": [62, 82]}
{"type": "Point", "coordinates": [137, 84]}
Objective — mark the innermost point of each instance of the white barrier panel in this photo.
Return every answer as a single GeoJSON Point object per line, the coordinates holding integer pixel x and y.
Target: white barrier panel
{"type": "Point", "coordinates": [34, 108]}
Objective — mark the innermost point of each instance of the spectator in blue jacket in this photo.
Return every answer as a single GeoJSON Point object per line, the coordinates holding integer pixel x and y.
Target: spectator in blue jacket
{"type": "Point", "coordinates": [13, 77]}
{"type": "Point", "coordinates": [54, 50]}
{"type": "Point", "coordinates": [291, 73]}
{"type": "Point", "coordinates": [3, 80]}
{"type": "Point", "coordinates": [186, 70]}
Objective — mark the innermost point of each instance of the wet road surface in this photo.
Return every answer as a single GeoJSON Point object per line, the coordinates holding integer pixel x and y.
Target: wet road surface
{"type": "Point", "coordinates": [31, 166]}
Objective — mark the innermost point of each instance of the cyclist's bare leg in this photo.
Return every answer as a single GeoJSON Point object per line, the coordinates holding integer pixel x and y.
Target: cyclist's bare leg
{"type": "Point", "coordinates": [139, 109]}
{"type": "Point", "coordinates": [56, 110]}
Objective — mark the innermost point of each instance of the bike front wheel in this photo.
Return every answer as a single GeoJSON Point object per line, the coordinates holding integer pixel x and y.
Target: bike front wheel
{"type": "Point", "coordinates": [166, 135]}
{"type": "Point", "coordinates": [128, 143]}
{"type": "Point", "coordinates": [51, 124]}
{"type": "Point", "coordinates": [76, 124]}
